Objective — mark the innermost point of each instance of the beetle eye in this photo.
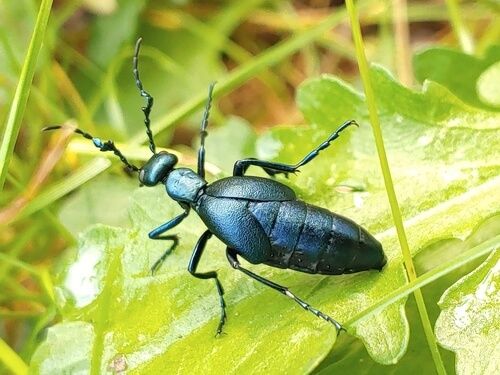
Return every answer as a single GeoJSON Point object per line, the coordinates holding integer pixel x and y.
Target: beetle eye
{"type": "Point", "coordinates": [141, 175]}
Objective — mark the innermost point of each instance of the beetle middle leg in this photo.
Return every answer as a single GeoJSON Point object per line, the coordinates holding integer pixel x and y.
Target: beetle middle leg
{"type": "Point", "coordinates": [272, 168]}
{"type": "Point", "coordinates": [232, 258]}
{"type": "Point", "coordinates": [193, 264]}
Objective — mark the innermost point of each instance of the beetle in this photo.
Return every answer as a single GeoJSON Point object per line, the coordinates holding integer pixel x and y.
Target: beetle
{"type": "Point", "coordinates": [257, 218]}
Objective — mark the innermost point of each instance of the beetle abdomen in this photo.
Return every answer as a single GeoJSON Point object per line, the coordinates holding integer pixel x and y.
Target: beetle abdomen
{"type": "Point", "coordinates": [314, 240]}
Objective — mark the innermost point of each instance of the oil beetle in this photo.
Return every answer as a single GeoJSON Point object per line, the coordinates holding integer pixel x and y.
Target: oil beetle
{"type": "Point", "coordinates": [257, 218]}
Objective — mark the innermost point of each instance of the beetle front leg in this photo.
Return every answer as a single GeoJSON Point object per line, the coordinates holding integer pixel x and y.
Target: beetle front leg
{"type": "Point", "coordinates": [272, 168]}
{"type": "Point", "coordinates": [156, 265]}
{"type": "Point", "coordinates": [156, 234]}
{"type": "Point", "coordinates": [193, 264]}
{"type": "Point", "coordinates": [232, 258]}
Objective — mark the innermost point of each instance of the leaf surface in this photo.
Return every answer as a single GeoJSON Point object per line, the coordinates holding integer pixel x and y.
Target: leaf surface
{"type": "Point", "coordinates": [445, 166]}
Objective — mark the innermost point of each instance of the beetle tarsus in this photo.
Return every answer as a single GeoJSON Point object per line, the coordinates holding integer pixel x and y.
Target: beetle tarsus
{"type": "Point", "coordinates": [222, 303]}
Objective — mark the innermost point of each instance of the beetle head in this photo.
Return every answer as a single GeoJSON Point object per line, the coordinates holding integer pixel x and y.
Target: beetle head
{"type": "Point", "coordinates": [157, 168]}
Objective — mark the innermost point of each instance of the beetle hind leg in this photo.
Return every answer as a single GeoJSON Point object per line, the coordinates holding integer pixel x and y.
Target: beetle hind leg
{"type": "Point", "coordinates": [232, 258]}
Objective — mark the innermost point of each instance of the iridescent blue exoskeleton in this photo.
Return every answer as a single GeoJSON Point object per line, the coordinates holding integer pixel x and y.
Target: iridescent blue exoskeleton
{"type": "Point", "coordinates": [259, 219]}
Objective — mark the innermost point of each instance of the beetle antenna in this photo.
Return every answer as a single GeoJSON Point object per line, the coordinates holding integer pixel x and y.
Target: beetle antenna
{"type": "Point", "coordinates": [149, 99]}
{"type": "Point", "coordinates": [102, 146]}
{"type": "Point", "coordinates": [204, 122]}
{"type": "Point", "coordinates": [203, 131]}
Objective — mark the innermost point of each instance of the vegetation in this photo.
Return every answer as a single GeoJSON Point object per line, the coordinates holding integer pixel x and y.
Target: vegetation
{"type": "Point", "coordinates": [76, 294]}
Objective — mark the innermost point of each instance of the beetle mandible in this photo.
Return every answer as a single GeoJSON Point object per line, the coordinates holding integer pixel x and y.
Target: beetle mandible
{"type": "Point", "coordinates": [259, 219]}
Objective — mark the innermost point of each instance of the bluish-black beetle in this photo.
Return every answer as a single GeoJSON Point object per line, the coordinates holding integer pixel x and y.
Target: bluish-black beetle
{"type": "Point", "coordinates": [258, 218]}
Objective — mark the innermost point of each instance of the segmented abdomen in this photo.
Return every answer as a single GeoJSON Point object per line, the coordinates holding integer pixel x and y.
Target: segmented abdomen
{"type": "Point", "coordinates": [314, 240]}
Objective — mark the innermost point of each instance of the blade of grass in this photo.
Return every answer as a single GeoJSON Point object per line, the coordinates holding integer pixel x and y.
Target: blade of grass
{"type": "Point", "coordinates": [23, 89]}
{"type": "Point", "coordinates": [402, 39]}
{"type": "Point", "coordinates": [396, 213]}
{"type": "Point", "coordinates": [463, 35]}
{"type": "Point", "coordinates": [11, 360]}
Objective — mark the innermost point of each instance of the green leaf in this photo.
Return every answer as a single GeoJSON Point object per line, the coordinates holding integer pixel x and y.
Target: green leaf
{"type": "Point", "coordinates": [460, 73]}
{"type": "Point", "coordinates": [60, 353]}
{"type": "Point", "coordinates": [350, 352]}
{"type": "Point", "coordinates": [445, 166]}
{"type": "Point", "coordinates": [469, 321]}
{"type": "Point", "coordinates": [168, 321]}
{"type": "Point", "coordinates": [443, 160]}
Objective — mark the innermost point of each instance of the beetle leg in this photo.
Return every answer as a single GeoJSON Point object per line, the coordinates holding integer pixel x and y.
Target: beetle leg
{"type": "Point", "coordinates": [193, 264]}
{"type": "Point", "coordinates": [175, 239]}
{"type": "Point", "coordinates": [156, 234]}
{"type": "Point", "coordinates": [272, 168]}
{"type": "Point", "coordinates": [232, 258]}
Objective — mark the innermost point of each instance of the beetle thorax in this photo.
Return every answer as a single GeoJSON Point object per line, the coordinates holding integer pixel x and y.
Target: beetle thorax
{"type": "Point", "coordinates": [184, 185]}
